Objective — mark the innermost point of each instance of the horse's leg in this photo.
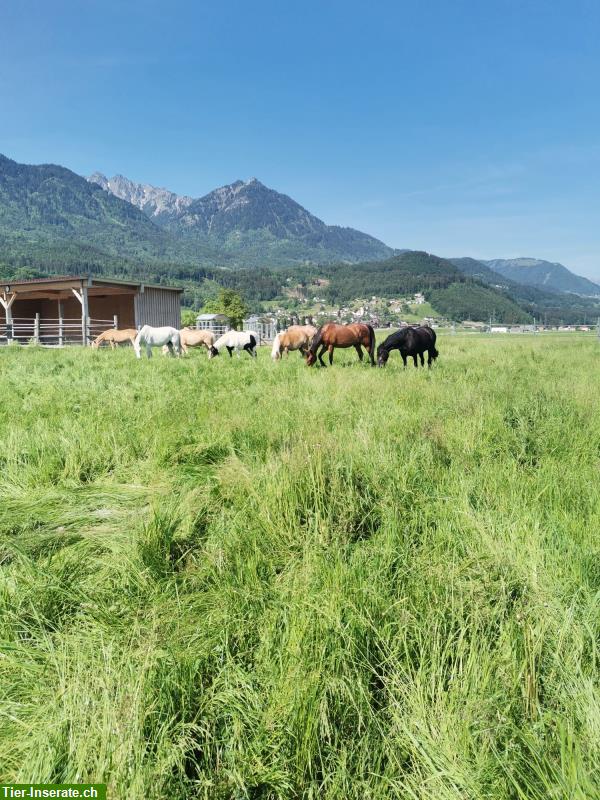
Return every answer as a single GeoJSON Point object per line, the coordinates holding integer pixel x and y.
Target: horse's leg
{"type": "Point", "coordinates": [422, 354]}
{"type": "Point", "coordinates": [323, 349]}
{"type": "Point", "coordinates": [429, 359]}
{"type": "Point", "coordinates": [403, 359]}
{"type": "Point", "coordinates": [248, 349]}
{"type": "Point", "coordinates": [358, 349]}
{"type": "Point", "coordinates": [330, 350]}
{"type": "Point", "coordinates": [230, 351]}
{"type": "Point", "coordinates": [148, 351]}
{"type": "Point", "coordinates": [171, 349]}
{"type": "Point", "coordinates": [416, 362]}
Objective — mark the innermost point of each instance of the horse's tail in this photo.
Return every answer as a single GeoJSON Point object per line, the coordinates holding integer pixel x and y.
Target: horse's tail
{"type": "Point", "coordinates": [371, 340]}
{"type": "Point", "coordinates": [432, 349]}
{"type": "Point", "coordinates": [176, 341]}
{"type": "Point", "coordinates": [275, 351]}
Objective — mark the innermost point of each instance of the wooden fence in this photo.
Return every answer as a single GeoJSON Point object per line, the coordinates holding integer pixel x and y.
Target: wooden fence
{"type": "Point", "coordinates": [54, 332]}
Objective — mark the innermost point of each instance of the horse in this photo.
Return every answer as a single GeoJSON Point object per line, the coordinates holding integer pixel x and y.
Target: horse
{"type": "Point", "coordinates": [296, 337]}
{"type": "Point", "coordinates": [191, 337]}
{"type": "Point", "coordinates": [157, 337]}
{"type": "Point", "coordinates": [332, 335]}
{"type": "Point", "coordinates": [411, 341]}
{"type": "Point", "coordinates": [234, 340]}
{"type": "Point", "coordinates": [113, 337]}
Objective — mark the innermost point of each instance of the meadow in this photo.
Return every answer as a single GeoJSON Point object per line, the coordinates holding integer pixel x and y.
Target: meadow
{"type": "Point", "coordinates": [238, 579]}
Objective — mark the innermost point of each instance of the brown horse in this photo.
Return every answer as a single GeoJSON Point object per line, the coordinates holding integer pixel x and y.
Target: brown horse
{"type": "Point", "coordinates": [332, 335]}
{"type": "Point", "coordinates": [113, 337]}
{"type": "Point", "coordinates": [192, 337]}
{"type": "Point", "coordinates": [296, 337]}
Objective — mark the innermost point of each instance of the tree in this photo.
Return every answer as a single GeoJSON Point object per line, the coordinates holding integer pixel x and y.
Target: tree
{"type": "Point", "coordinates": [231, 304]}
{"type": "Point", "coordinates": [188, 317]}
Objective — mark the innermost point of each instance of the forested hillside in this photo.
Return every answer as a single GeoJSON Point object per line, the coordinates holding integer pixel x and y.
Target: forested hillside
{"type": "Point", "coordinates": [547, 306]}
{"type": "Point", "coordinates": [544, 275]}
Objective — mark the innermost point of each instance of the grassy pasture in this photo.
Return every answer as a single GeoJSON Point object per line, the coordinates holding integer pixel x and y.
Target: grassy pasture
{"type": "Point", "coordinates": [233, 579]}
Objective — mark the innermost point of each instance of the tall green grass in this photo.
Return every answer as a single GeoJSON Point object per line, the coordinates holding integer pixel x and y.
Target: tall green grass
{"type": "Point", "coordinates": [239, 579]}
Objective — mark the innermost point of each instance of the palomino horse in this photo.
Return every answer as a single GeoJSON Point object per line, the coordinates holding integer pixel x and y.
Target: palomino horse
{"type": "Point", "coordinates": [411, 342]}
{"type": "Point", "coordinates": [191, 337]}
{"type": "Point", "coordinates": [113, 337]}
{"type": "Point", "coordinates": [157, 337]}
{"type": "Point", "coordinates": [296, 337]}
{"type": "Point", "coordinates": [234, 340]}
{"type": "Point", "coordinates": [332, 335]}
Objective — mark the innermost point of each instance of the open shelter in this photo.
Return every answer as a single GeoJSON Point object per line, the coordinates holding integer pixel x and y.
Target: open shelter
{"type": "Point", "coordinates": [75, 309]}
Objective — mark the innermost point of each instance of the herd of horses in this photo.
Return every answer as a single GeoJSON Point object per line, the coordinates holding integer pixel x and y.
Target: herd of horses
{"type": "Point", "coordinates": [411, 341]}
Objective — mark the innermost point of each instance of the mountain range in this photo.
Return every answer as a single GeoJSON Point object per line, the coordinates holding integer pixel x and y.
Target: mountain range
{"type": "Point", "coordinates": [55, 221]}
{"type": "Point", "coordinates": [543, 274]}
{"type": "Point", "coordinates": [249, 223]}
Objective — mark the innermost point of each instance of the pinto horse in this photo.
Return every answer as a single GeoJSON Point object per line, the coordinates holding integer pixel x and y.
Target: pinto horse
{"type": "Point", "coordinates": [332, 335]}
{"type": "Point", "coordinates": [296, 337]}
{"type": "Point", "coordinates": [410, 341]}
{"type": "Point", "coordinates": [234, 340]}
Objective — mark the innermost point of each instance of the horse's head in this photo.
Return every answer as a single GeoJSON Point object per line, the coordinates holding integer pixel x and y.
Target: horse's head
{"type": "Point", "coordinates": [310, 358]}
{"type": "Point", "coordinates": [212, 351]}
{"type": "Point", "coordinates": [382, 356]}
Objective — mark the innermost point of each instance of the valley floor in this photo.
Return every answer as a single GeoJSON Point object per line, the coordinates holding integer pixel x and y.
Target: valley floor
{"type": "Point", "coordinates": [239, 579]}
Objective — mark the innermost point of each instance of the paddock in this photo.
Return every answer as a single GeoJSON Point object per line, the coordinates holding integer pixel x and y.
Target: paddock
{"type": "Point", "coordinates": [215, 323]}
{"type": "Point", "coordinates": [73, 310]}
{"type": "Point", "coordinates": [263, 328]}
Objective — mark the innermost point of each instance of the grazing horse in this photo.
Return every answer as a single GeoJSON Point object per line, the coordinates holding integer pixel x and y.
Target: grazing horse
{"type": "Point", "coordinates": [411, 342]}
{"type": "Point", "coordinates": [157, 337]}
{"type": "Point", "coordinates": [234, 340]}
{"type": "Point", "coordinates": [113, 337]}
{"type": "Point", "coordinates": [332, 335]}
{"type": "Point", "coordinates": [191, 337]}
{"type": "Point", "coordinates": [296, 337]}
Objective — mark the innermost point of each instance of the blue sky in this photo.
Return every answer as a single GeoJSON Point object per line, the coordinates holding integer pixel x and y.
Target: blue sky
{"type": "Point", "coordinates": [460, 128]}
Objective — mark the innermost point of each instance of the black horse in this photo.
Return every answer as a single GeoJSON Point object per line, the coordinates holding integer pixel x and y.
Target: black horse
{"type": "Point", "coordinates": [411, 342]}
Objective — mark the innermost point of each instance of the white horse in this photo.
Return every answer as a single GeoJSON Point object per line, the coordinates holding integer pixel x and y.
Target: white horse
{"type": "Point", "coordinates": [234, 340]}
{"type": "Point", "coordinates": [157, 337]}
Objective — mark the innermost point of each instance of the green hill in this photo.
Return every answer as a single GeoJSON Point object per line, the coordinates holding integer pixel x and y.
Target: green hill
{"type": "Point", "coordinates": [546, 305]}
{"type": "Point", "coordinates": [468, 300]}
{"type": "Point", "coordinates": [449, 290]}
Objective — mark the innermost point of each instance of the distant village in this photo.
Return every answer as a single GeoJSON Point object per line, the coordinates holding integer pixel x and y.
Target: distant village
{"type": "Point", "coordinates": [376, 311]}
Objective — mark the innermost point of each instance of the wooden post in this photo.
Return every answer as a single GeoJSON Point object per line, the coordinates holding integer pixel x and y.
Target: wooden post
{"type": "Point", "coordinates": [85, 321]}
{"type": "Point", "coordinates": [115, 322]}
{"type": "Point", "coordinates": [85, 318]}
{"type": "Point", "coordinates": [6, 303]}
{"type": "Point", "coordinates": [60, 323]}
{"type": "Point", "coordinates": [36, 328]}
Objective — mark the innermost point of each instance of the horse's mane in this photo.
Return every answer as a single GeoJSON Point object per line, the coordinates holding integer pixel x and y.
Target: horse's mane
{"type": "Point", "coordinates": [316, 341]}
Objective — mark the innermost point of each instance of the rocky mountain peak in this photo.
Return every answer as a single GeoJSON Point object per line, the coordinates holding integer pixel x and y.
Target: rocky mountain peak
{"type": "Point", "coordinates": [154, 201]}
